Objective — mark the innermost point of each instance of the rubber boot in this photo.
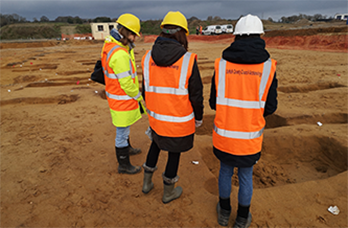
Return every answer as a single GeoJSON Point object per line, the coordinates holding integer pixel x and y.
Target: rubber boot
{"type": "Point", "coordinates": [242, 222]}
{"type": "Point", "coordinates": [124, 165]}
{"type": "Point", "coordinates": [133, 151]}
{"type": "Point", "coordinates": [147, 182]}
{"type": "Point", "coordinates": [223, 215]}
{"type": "Point", "coordinates": [169, 192]}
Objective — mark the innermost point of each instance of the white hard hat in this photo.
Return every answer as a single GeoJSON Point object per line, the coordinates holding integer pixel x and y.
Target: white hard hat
{"type": "Point", "coordinates": [248, 24]}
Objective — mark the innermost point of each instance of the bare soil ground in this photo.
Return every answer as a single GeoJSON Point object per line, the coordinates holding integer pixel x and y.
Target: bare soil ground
{"type": "Point", "coordinates": [58, 164]}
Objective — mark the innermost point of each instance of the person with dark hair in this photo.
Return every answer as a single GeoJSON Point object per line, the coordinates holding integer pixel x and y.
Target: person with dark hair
{"type": "Point", "coordinates": [243, 92]}
{"type": "Point", "coordinates": [122, 86]}
{"type": "Point", "coordinates": [173, 93]}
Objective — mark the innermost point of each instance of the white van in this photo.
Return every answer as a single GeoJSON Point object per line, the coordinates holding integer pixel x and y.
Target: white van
{"type": "Point", "coordinates": [212, 30]}
{"type": "Point", "coordinates": [227, 28]}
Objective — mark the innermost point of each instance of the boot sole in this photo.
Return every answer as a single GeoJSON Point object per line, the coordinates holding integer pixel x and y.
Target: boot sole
{"type": "Point", "coordinates": [126, 172]}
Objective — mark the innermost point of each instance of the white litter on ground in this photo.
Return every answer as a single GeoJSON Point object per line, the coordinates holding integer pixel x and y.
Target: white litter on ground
{"type": "Point", "coordinates": [334, 210]}
{"type": "Point", "coordinates": [195, 162]}
{"type": "Point", "coordinates": [319, 124]}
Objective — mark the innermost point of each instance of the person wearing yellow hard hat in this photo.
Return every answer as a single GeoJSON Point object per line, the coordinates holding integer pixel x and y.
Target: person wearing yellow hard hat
{"type": "Point", "coordinates": [173, 93]}
{"type": "Point", "coordinates": [122, 86]}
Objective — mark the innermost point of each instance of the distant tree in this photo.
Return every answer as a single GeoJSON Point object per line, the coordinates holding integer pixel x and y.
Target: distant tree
{"type": "Point", "coordinates": [102, 19]}
{"type": "Point", "coordinates": [78, 20]}
{"type": "Point", "coordinates": [270, 19]}
{"type": "Point", "coordinates": [216, 18]}
{"type": "Point", "coordinates": [284, 20]}
{"type": "Point", "coordinates": [44, 19]}
{"type": "Point", "coordinates": [70, 20]}
{"type": "Point", "coordinates": [210, 18]}
{"type": "Point", "coordinates": [192, 19]}
{"type": "Point", "coordinates": [35, 19]}
{"type": "Point", "coordinates": [61, 19]}
{"type": "Point", "coordinates": [295, 18]}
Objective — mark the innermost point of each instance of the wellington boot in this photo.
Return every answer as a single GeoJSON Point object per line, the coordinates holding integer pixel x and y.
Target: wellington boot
{"type": "Point", "coordinates": [124, 165]}
{"type": "Point", "coordinates": [223, 215]}
{"type": "Point", "coordinates": [170, 193]}
{"type": "Point", "coordinates": [147, 183]}
{"type": "Point", "coordinates": [242, 222]}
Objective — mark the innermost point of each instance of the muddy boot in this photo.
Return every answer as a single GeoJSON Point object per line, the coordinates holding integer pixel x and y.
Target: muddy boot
{"type": "Point", "coordinates": [242, 222]}
{"type": "Point", "coordinates": [147, 182]}
{"type": "Point", "coordinates": [223, 215]}
{"type": "Point", "coordinates": [124, 165]}
{"type": "Point", "coordinates": [169, 192]}
{"type": "Point", "coordinates": [133, 151]}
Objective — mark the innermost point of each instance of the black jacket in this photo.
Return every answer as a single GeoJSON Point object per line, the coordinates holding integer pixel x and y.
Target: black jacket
{"type": "Point", "coordinates": [166, 52]}
{"type": "Point", "coordinates": [245, 51]}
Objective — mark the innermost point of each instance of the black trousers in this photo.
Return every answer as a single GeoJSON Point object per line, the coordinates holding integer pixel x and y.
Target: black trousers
{"type": "Point", "coordinates": [172, 162]}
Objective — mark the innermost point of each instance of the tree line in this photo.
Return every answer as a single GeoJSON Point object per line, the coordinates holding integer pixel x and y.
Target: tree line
{"type": "Point", "coordinates": [7, 19]}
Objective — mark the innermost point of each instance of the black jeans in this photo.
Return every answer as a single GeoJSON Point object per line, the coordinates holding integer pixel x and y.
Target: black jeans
{"type": "Point", "coordinates": [172, 162]}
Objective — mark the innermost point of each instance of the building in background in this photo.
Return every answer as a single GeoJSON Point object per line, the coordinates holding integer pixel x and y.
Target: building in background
{"type": "Point", "coordinates": [102, 29]}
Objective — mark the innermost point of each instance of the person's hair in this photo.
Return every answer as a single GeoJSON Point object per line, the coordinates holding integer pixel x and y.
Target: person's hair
{"type": "Point", "coordinates": [125, 33]}
{"type": "Point", "coordinates": [244, 36]}
{"type": "Point", "coordinates": [179, 36]}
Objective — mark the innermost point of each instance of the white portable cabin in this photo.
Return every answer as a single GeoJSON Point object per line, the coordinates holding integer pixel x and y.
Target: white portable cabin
{"type": "Point", "coordinates": [102, 29]}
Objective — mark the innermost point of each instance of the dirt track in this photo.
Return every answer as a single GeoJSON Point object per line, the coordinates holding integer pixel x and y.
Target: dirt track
{"type": "Point", "coordinates": [58, 165]}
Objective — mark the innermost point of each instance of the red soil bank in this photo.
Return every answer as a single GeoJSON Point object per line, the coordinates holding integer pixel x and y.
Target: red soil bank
{"type": "Point", "coordinates": [336, 43]}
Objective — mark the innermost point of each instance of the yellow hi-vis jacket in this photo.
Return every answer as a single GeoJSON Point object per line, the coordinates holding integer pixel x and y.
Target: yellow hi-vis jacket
{"type": "Point", "coordinates": [241, 95]}
{"type": "Point", "coordinates": [166, 95]}
{"type": "Point", "coordinates": [121, 82]}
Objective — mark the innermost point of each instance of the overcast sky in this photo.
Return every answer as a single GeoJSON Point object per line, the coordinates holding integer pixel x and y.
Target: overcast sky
{"type": "Point", "coordinates": [146, 10]}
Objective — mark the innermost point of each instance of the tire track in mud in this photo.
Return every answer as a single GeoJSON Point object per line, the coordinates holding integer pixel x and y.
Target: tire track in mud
{"type": "Point", "coordinates": [288, 159]}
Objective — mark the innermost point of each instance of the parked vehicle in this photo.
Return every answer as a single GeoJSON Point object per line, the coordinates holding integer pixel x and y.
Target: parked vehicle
{"type": "Point", "coordinates": [212, 30]}
{"type": "Point", "coordinates": [341, 16]}
{"type": "Point", "coordinates": [227, 28]}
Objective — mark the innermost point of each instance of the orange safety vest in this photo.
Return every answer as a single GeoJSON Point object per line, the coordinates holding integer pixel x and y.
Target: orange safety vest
{"type": "Point", "coordinates": [117, 98]}
{"type": "Point", "coordinates": [241, 95]}
{"type": "Point", "coordinates": [166, 96]}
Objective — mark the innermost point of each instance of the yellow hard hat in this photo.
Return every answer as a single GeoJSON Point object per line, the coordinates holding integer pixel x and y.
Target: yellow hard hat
{"type": "Point", "coordinates": [175, 18]}
{"type": "Point", "coordinates": [130, 21]}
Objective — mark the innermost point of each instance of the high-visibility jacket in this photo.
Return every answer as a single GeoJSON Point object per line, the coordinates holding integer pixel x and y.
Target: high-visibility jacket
{"type": "Point", "coordinates": [121, 83]}
{"type": "Point", "coordinates": [166, 96]}
{"type": "Point", "coordinates": [240, 100]}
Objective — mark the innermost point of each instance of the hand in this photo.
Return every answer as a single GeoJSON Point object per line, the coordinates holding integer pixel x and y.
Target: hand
{"type": "Point", "coordinates": [140, 98]}
{"type": "Point", "coordinates": [198, 123]}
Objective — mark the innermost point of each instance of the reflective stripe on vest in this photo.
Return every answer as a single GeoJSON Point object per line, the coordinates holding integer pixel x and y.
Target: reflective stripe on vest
{"type": "Point", "coordinates": [238, 134]}
{"type": "Point", "coordinates": [173, 119]}
{"type": "Point", "coordinates": [122, 74]}
{"type": "Point", "coordinates": [222, 100]}
{"type": "Point", "coordinates": [119, 76]}
{"type": "Point", "coordinates": [118, 97]}
{"type": "Point", "coordinates": [168, 90]}
{"type": "Point", "coordinates": [181, 90]}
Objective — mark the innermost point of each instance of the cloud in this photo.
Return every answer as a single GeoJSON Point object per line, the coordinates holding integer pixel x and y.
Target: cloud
{"type": "Point", "coordinates": [156, 9]}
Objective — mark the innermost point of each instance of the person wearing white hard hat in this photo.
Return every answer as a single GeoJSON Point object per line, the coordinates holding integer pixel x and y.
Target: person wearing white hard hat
{"type": "Point", "coordinates": [243, 92]}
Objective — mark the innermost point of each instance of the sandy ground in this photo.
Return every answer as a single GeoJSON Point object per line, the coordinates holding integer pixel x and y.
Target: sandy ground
{"type": "Point", "coordinates": [58, 164]}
